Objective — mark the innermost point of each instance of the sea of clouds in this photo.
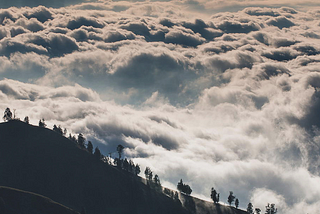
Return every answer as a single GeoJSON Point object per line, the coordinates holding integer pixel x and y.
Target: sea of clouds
{"type": "Point", "coordinates": [227, 100]}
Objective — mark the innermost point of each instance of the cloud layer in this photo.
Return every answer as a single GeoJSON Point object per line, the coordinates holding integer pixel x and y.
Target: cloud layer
{"type": "Point", "coordinates": [229, 100]}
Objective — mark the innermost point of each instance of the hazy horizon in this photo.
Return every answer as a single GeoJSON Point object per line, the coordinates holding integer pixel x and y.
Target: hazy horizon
{"type": "Point", "coordinates": [222, 94]}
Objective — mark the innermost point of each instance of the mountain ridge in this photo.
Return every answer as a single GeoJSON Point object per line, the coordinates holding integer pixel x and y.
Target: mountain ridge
{"type": "Point", "coordinates": [39, 160]}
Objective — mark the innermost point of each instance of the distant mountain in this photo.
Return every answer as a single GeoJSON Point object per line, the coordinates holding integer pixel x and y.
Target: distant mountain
{"type": "Point", "coordinates": [13, 201]}
{"type": "Point", "coordinates": [41, 161]}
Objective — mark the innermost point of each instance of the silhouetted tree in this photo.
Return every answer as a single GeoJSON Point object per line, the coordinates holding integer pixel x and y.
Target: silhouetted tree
{"type": "Point", "coordinates": [42, 123]}
{"type": "Point", "coordinates": [125, 164]}
{"type": "Point", "coordinates": [150, 176]}
{"type": "Point", "coordinates": [137, 169]}
{"type": "Point", "coordinates": [81, 140]}
{"type": "Point", "coordinates": [131, 166]}
{"type": "Point", "coordinates": [180, 185]}
{"type": "Point", "coordinates": [214, 195]}
{"type": "Point", "coordinates": [26, 119]}
{"type": "Point", "coordinates": [90, 147]}
{"type": "Point", "coordinates": [97, 153]}
{"type": "Point", "coordinates": [271, 209]}
{"type": "Point", "coordinates": [57, 129]}
{"type": "Point", "coordinates": [157, 183]}
{"type": "Point", "coordinates": [72, 138]}
{"type": "Point", "coordinates": [237, 203]}
{"type": "Point", "coordinates": [120, 150]}
{"type": "Point", "coordinates": [231, 198]}
{"type": "Point", "coordinates": [65, 132]}
{"type": "Point", "coordinates": [250, 208]}
{"type": "Point", "coordinates": [258, 210]}
{"type": "Point", "coordinates": [187, 189]}
{"type": "Point", "coordinates": [218, 197]}
{"type": "Point", "coordinates": [7, 115]}
{"type": "Point", "coordinates": [184, 187]}
{"type": "Point", "coordinates": [147, 172]}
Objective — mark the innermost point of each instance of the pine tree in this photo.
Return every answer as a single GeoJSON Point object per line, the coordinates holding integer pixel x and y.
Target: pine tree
{"type": "Point", "coordinates": [237, 203]}
{"type": "Point", "coordinates": [97, 153]}
{"type": "Point", "coordinates": [150, 176]}
{"type": "Point", "coordinates": [180, 185]}
{"type": "Point", "coordinates": [90, 147]}
{"type": "Point", "coordinates": [187, 189]}
{"type": "Point", "coordinates": [26, 120]}
{"type": "Point", "coordinates": [271, 209]}
{"type": "Point", "coordinates": [250, 208]}
{"type": "Point", "coordinates": [231, 198]}
{"type": "Point", "coordinates": [125, 164]}
{"type": "Point", "coordinates": [157, 183]}
{"type": "Point", "coordinates": [258, 210]}
{"type": "Point", "coordinates": [7, 115]}
{"type": "Point", "coordinates": [137, 169]}
{"type": "Point", "coordinates": [131, 166]}
{"type": "Point", "coordinates": [81, 140]}
{"type": "Point", "coordinates": [214, 195]}
{"type": "Point", "coordinates": [42, 123]}
{"type": "Point", "coordinates": [120, 150]}
{"type": "Point", "coordinates": [57, 129]}
{"type": "Point", "coordinates": [147, 172]}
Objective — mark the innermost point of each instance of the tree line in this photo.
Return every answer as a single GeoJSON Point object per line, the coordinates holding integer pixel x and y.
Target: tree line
{"type": "Point", "coordinates": [131, 167]}
{"type": "Point", "coordinates": [119, 162]}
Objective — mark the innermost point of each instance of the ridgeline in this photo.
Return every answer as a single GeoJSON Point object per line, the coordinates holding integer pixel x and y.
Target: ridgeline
{"type": "Point", "coordinates": [48, 165]}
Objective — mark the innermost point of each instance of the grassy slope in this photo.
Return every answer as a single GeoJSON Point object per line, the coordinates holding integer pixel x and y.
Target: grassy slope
{"type": "Point", "coordinates": [39, 160]}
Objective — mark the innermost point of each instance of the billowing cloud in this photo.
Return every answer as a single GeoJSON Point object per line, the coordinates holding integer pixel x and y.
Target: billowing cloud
{"type": "Point", "coordinates": [228, 100]}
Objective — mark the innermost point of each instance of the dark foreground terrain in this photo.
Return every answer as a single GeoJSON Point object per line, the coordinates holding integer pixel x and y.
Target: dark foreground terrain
{"type": "Point", "coordinates": [15, 201]}
{"type": "Point", "coordinates": [43, 162]}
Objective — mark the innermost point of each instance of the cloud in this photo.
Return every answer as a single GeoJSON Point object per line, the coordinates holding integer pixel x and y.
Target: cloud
{"type": "Point", "coordinates": [237, 27]}
{"type": "Point", "coordinates": [41, 13]}
{"type": "Point", "coordinates": [31, 24]}
{"type": "Point", "coordinates": [281, 54]}
{"type": "Point", "coordinates": [228, 99]}
{"type": "Point", "coordinates": [183, 38]}
{"type": "Point", "coordinates": [261, 12]}
{"type": "Point", "coordinates": [77, 22]}
{"type": "Point", "coordinates": [280, 22]}
{"type": "Point", "coordinates": [3, 33]}
{"type": "Point", "coordinates": [8, 47]}
{"type": "Point", "coordinates": [6, 14]}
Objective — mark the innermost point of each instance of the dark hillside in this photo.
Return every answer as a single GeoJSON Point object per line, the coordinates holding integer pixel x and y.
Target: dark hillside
{"type": "Point", "coordinates": [40, 160]}
{"type": "Point", "coordinates": [206, 207]}
{"type": "Point", "coordinates": [13, 201]}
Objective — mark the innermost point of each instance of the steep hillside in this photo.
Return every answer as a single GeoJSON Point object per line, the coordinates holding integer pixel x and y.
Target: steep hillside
{"type": "Point", "coordinates": [13, 201]}
{"type": "Point", "coordinates": [39, 160]}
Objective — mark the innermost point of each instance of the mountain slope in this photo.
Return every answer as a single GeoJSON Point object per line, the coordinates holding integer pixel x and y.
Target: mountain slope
{"type": "Point", "coordinates": [13, 201]}
{"type": "Point", "coordinates": [40, 160]}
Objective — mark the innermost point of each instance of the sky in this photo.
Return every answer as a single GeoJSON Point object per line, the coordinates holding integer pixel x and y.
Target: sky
{"type": "Point", "coordinates": [222, 94]}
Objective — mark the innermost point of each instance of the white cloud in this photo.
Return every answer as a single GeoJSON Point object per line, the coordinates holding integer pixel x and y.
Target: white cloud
{"type": "Point", "coordinates": [229, 101]}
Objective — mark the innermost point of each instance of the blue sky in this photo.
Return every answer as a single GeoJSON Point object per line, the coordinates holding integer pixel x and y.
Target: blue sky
{"type": "Point", "coordinates": [221, 94]}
